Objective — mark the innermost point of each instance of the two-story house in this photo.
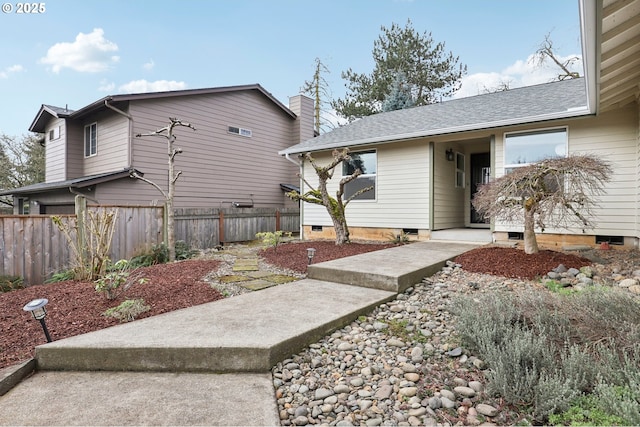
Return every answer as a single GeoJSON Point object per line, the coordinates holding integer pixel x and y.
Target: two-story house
{"type": "Point", "coordinates": [229, 160]}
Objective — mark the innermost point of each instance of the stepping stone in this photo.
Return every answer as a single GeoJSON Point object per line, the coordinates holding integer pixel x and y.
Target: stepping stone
{"type": "Point", "coordinates": [259, 274]}
{"type": "Point", "coordinates": [233, 278]}
{"type": "Point", "coordinates": [245, 268]}
{"type": "Point", "coordinates": [280, 278]}
{"type": "Point", "coordinates": [246, 261]}
{"type": "Point", "coordinates": [256, 285]}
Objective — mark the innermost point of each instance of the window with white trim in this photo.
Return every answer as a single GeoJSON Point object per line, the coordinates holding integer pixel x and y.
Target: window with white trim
{"type": "Point", "coordinates": [91, 140]}
{"type": "Point", "coordinates": [54, 133]}
{"type": "Point", "coordinates": [240, 131]}
{"type": "Point", "coordinates": [523, 148]}
{"type": "Point", "coordinates": [367, 162]}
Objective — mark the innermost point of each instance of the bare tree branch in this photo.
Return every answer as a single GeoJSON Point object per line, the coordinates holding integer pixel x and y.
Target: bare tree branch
{"type": "Point", "coordinates": [559, 192]}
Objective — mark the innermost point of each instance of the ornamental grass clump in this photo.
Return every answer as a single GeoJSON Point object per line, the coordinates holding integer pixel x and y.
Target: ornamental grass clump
{"type": "Point", "coordinates": [546, 352]}
{"type": "Point", "coordinates": [128, 310]}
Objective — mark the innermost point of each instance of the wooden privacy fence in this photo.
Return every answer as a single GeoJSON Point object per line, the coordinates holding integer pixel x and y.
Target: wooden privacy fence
{"type": "Point", "coordinates": [209, 227]}
{"type": "Point", "coordinates": [33, 247]}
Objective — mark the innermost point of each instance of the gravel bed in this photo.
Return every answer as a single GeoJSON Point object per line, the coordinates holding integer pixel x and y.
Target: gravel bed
{"type": "Point", "coordinates": [401, 364]}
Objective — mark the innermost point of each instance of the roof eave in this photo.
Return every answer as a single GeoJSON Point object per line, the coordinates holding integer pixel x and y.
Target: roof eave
{"type": "Point", "coordinates": [591, 30]}
{"type": "Point", "coordinates": [573, 113]}
{"type": "Point", "coordinates": [99, 104]}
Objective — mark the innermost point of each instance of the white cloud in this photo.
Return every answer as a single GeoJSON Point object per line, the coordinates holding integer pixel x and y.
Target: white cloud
{"type": "Point", "coordinates": [106, 86]}
{"type": "Point", "coordinates": [4, 74]}
{"type": "Point", "coordinates": [520, 73]}
{"type": "Point", "coordinates": [89, 53]}
{"type": "Point", "coordinates": [149, 65]}
{"type": "Point", "coordinates": [139, 86]}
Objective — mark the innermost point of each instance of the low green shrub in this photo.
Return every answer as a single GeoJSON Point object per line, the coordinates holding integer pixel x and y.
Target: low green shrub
{"type": "Point", "coordinates": [116, 280]}
{"type": "Point", "coordinates": [544, 350]}
{"type": "Point", "coordinates": [10, 283]}
{"type": "Point", "coordinates": [158, 255]}
{"type": "Point", "coordinates": [128, 310]}
{"type": "Point", "coordinates": [62, 276]}
{"type": "Point", "coordinates": [272, 238]}
{"type": "Point", "coordinates": [400, 238]}
{"type": "Point", "coordinates": [585, 411]}
{"type": "Point", "coordinates": [183, 251]}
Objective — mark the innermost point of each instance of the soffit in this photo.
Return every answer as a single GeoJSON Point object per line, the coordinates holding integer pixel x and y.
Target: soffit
{"type": "Point", "coordinates": [620, 53]}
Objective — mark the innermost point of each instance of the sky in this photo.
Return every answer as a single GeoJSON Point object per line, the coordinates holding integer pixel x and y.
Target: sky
{"type": "Point", "coordinates": [74, 52]}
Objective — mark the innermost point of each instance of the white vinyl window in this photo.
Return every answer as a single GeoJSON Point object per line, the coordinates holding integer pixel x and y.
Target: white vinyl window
{"type": "Point", "coordinates": [523, 148]}
{"type": "Point", "coordinates": [91, 140]}
{"type": "Point", "coordinates": [367, 162]}
{"type": "Point", "coordinates": [54, 133]}
{"type": "Point", "coordinates": [240, 131]}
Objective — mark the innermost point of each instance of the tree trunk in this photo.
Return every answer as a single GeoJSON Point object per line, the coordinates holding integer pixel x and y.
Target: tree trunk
{"type": "Point", "coordinates": [342, 231]}
{"type": "Point", "coordinates": [530, 242]}
{"type": "Point", "coordinates": [171, 236]}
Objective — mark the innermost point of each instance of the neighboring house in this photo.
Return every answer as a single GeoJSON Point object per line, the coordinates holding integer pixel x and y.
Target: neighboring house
{"type": "Point", "coordinates": [425, 163]}
{"type": "Point", "coordinates": [230, 160]}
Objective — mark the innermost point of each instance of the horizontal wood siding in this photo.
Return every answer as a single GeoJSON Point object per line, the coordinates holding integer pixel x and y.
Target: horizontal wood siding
{"type": "Point", "coordinates": [55, 153]}
{"type": "Point", "coordinates": [75, 150]}
{"type": "Point", "coordinates": [200, 228]}
{"type": "Point", "coordinates": [612, 136]}
{"type": "Point", "coordinates": [112, 149]}
{"type": "Point", "coordinates": [218, 167]}
{"type": "Point", "coordinates": [402, 190]}
{"type": "Point", "coordinates": [448, 203]}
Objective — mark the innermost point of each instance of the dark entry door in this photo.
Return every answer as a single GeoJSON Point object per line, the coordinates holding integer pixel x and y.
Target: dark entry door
{"type": "Point", "coordinates": [480, 174]}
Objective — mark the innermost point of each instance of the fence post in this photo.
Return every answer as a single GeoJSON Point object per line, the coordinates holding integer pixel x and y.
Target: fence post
{"type": "Point", "coordinates": [81, 213]}
{"type": "Point", "coordinates": [277, 220]}
{"type": "Point", "coordinates": [221, 227]}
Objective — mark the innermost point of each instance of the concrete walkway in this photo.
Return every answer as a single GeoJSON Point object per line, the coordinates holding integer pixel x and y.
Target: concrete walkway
{"type": "Point", "coordinates": [210, 364]}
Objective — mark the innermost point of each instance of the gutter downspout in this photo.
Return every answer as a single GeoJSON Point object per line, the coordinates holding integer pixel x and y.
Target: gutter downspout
{"type": "Point", "coordinates": [301, 167]}
{"type": "Point", "coordinates": [130, 142]}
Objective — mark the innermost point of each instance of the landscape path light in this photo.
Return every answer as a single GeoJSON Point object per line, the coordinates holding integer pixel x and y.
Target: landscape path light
{"type": "Point", "coordinates": [36, 307]}
{"type": "Point", "coordinates": [311, 252]}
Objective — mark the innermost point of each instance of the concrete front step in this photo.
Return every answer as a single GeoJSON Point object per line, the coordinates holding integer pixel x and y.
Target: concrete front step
{"type": "Point", "coordinates": [394, 269]}
{"type": "Point", "coordinates": [245, 333]}
{"type": "Point", "coordinates": [141, 398]}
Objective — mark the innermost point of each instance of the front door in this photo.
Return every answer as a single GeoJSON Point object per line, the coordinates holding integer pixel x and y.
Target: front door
{"type": "Point", "coordinates": [480, 174]}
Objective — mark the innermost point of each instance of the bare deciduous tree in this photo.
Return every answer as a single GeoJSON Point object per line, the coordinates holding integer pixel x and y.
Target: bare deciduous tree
{"type": "Point", "coordinates": [546, 50]}
{"type": "Point", "coordinates": [555, 192]}
{"type": "Point", "coordinates": [319, 89]}
{"type": "Point", "coordinates": [320, 196]}
{"type": "Point", "coordinates": [168, 133]}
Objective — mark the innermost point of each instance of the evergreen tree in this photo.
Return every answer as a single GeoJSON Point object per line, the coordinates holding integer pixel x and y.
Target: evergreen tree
{"type": "Point", "coordinates": [400, 96]}
{"type": "Point", "coordinates": [21, 163]}
{"type": "Point", "coordinates": [431, 72]}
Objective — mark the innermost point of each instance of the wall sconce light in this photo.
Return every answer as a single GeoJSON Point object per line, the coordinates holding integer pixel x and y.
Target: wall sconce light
{"type": "Point", "coordinates": [449, 154]}
{"type": "Point", "coordinates": [36, 307]}
{"type": "Point", "coordinates": [311, 252]}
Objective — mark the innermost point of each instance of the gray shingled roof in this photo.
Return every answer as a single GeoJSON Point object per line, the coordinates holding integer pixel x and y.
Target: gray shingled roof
{"type": "Point", "coordinates": [516, 106]}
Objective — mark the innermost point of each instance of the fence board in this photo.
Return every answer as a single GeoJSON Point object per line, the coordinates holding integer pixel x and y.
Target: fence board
{"type": "Point", "coordinates": [199, 228]}
{"type": "Point", "coordinates": [34, 248]}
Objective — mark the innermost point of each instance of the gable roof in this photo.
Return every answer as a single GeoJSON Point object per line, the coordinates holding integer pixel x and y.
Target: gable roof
{"type": "Point", "coordinates": [516, 106]}
{"type": "Point", "coordinates": [47, 112]}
